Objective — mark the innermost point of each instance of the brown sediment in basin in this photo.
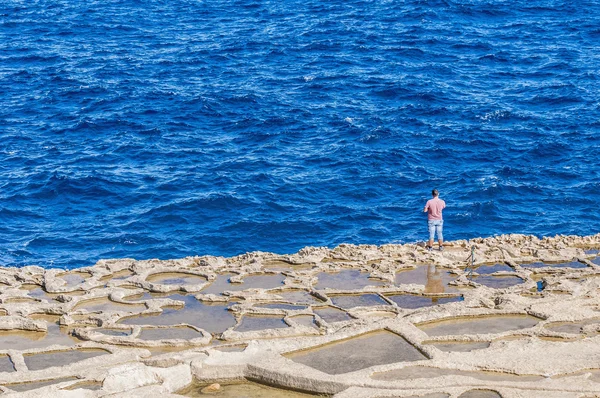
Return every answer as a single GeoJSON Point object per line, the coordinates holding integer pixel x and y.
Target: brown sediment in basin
{"type": "Point", "coordinates": [435, 279]}
{"type": "Point", "coordinates": [283, 265]}
{"type": "Point", "coordinates": [479, 325]}
{"type": "Point", "coordinates": [22, 387]}
{"type": "Point", "coordinates": [458, 346]}
{"type": "Point", "coordinates": [413, 301]}
{"type": "Point", "coordinates": [60, 358]}
{"type": "Point", "coordinates": [24, 340]}
{"type": "Point", "coordinates": [425, 372]}
{"type": "Point", "coordinates": [356, 353]}
{"type": "Point", "coordinates": [245, 390]}
{"type": "Point", "coordinates": [176, 278]}
{"type": "Point", "coordinates": [480, 394]}
{"type": "Point", "coordinates": [104, 304]}
{"type": "Point", "coordinates": [572, 327]}
{"type": "Point", "coordinates": [119, 275]}
{"type": "Point", "coordinates": [348, 279]}
{"type": "Point", "coordinates": [85, 385]}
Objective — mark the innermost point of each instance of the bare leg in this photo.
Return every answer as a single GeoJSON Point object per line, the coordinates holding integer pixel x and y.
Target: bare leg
{"type": "Point", "coordinates": [441, 242]}
{"type": "Point", "coordinates": [430, 243]}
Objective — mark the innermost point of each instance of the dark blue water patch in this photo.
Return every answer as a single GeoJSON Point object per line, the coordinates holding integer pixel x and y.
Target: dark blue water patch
{"type": "Point", "coordinates": [569, 264]}
{"type": "Point", "coordinates": [172, 129]}
{"type": "Point", "coordinates": [498, 282]}
{"type": "Point", "coordinates": [490, 269]}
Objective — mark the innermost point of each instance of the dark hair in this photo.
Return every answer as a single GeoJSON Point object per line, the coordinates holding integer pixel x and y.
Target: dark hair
{"type": "Point", "coordinates": [435, 192]}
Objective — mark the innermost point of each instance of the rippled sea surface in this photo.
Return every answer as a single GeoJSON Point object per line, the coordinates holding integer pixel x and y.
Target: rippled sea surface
{"type": "Point", "coordinates": [168, 128]}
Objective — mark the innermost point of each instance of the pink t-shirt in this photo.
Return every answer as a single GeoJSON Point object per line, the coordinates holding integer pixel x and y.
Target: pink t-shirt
{"type": "Point", "coordinates": [434, 208]}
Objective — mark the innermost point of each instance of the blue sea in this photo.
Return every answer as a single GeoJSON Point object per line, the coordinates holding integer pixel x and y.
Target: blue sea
{"type": "Point", "coordinates": [163, 129]}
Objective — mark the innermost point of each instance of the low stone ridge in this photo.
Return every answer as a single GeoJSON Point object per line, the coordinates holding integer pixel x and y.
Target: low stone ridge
{"type": "Point", "coordinates": [522, 320]}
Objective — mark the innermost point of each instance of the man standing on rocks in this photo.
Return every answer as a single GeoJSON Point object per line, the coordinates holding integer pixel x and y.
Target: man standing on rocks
{"type": "Point", "coordinates": [434, 208]}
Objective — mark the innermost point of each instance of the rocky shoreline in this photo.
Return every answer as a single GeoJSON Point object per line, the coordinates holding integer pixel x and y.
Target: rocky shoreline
{"type": "Point", "coordinates": [353, 321]}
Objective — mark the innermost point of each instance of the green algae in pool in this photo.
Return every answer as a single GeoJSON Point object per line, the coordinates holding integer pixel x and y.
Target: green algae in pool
{"type": "Point", "coordinates": [243, 390]}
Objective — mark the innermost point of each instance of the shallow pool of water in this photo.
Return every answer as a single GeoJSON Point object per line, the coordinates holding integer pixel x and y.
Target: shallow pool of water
{"type": "Point", "coordinates": [298, 297]}
{"type": "Point", "coordinates": [214, 318]}
{"type": "Point", "coordinates": [349, 279]}
{"type": "Point", "coordinates": [358, 300]}
{"type": "Point", "coordinates": [571, 327]}
{"type": "Point", "coordinates": [482, 325]}
{"type": "Point", "coordinates": [176, 278]}
{"type": "Point", "coordinates": [425, 372]}
{"type": "Point", "coordinates": [458, 346]}
{"type": "Point", "coordinates": [332, 315]}
{"type": "Point", "coordinates": [377, 348]}
{"type": "Point", "coordinates": [434, 279]}
{"type": "Point", "coordinates": [263, 281]}
{"type": "Point", "coordinates": [242, 390]}
{"type": "Point", "coordinates": [183, 333]}
{"type": "Point", "coordinates": [24, 340]}
{"type": "Point", "coordinates": [253, 323]}
{"type": "Point", "coordinates": [281, 306]}
{"type": "Point", "coordinates": [568, 264]}
{"type": "Point", "coordinates": [498, 281]}
{"type": "Point", "coordinates": [60, 358]}
{"type": "Point", "coordinates": [413, 301]}
{"type": "Point", "coordinates": [6, 364]}
{"type": "Point", "coordinates": [480, 394]}
{"type": "Point", "coordinates": [22, 387]}
{"type": "Point", "coordinates": [104, 304]}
